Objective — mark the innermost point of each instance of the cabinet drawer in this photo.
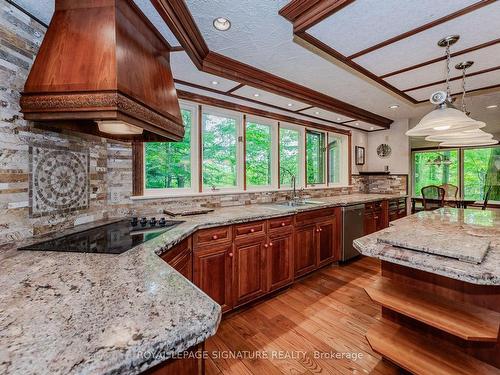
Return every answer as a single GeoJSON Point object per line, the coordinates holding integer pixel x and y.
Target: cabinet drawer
{"type": "Point", "coordinates": [284, 223]}
{"type": "Point", "coordinates": [250, 229]}
{"type": "Point", "coordinates": [213, 235]}
{"type": "Point", "coordinates": [314, 215]}
{"type": "Point", "coordinates": [373, 205]}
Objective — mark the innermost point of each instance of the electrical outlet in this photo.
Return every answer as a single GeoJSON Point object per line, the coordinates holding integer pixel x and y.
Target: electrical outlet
{"type": "Point", "coordinates": [115, 196]}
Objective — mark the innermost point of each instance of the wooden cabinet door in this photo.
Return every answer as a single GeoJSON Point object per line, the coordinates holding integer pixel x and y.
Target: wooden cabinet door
{"type": "Point", "coordinates": [279, 261]}
{"type": "Point", "coordinates": [326, 241]}
{"type": "Point", "coordinates": [213, 268]}
{"type": "Point", "coordinates": [369, 223]}
{"type": "Point", "coordinates": [249, 270]}
{"type": "Point", "coordinates": [305, 250]}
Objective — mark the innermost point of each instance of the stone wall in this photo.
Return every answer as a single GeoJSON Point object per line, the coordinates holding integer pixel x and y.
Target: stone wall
{"type": "Point", "coordinates": [50, 181]}
{"type": "Point", "coordinates": [383, 184]}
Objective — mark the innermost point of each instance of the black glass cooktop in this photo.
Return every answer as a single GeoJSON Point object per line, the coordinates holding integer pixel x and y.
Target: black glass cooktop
{"type": "Point", "coordinates": [113, 238]}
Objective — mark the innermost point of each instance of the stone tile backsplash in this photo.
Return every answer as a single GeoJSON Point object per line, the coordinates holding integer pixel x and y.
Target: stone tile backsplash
{"type": "Point", "coordinates": [50, 181]}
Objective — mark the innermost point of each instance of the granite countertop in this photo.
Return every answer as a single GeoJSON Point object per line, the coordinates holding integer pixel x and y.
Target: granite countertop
{"type": "Point", "coordinates": [444, 224]}
{"type": "Point", "coordinates": [74, 313]}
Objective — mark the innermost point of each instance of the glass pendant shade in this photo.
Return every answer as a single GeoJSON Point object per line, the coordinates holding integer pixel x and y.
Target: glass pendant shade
{"type": "Point", "coordinates": [466, 143]}
{"type": "Point", "coordinates": [442, 120]}
{"type": "Point", "coordinates": [474, 134]}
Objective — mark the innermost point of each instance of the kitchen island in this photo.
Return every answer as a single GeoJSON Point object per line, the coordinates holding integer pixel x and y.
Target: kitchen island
{"type": "Point", "coordinates": [440, 314]}
{"type": "Point", "coordinates": [76, 313]}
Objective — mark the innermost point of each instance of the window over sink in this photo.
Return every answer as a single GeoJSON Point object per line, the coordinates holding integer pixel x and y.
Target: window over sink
{"type": "Point", "coordinates": [225, 150]}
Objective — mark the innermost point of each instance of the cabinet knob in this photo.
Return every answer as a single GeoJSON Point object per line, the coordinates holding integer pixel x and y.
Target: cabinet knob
{"type": "Point", "coordinates": [252, 230]}
{"type": "Point", "coordinates": [317, 230]}
{"type": "Point", "coordinates": [321, 229]}
{"type": "Point", "coordinates": [270, 244]}
{"type": "Point", "coordinates": [266, 245]}
{"type": "Point", "coordinates": [214, 237]}
{"type": "Point", "coordinates": [283, 224]}
{"type": "Point", "coordinates": [230, 254]}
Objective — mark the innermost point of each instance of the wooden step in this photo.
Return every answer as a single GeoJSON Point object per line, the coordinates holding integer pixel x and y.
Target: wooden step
{"type": "Point", "coordinates": [420, 355]}
{"type": "Point", "coordinates": [463, 320]}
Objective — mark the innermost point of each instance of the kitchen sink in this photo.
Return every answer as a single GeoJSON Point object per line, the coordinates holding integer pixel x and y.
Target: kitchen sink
{"type": "Point", "coordinates": [297, 203]}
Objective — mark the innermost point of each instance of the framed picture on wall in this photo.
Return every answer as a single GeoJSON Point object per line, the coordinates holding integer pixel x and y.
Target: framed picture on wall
{"type": "Point", "coordinates": [359, 155]}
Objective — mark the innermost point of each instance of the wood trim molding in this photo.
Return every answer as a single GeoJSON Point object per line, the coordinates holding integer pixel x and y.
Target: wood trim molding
{"type": "Point", "coordinates": [419, 29]}
{"type": "Point", "coordinates": [226, 67]}
{"type": "Point", "coordinates": [137, 168]}
{"type": "Point", "coordinates": [308, 38]}
{"type": "Point", "coordinates": [201, 99]}
{"type": "Point", "coordinates": [442, 58]}
{"type": "Point", "coordinates": [295, 112]}
{"type": "Point", "coordinates": [454, 78]}
{"type": "Point", "coordinates": [304, 15]}
{"type": "Point", "coordinates": [177, 16]}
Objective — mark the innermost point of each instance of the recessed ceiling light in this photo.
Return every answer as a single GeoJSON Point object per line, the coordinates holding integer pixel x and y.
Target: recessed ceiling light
{"type": "Point", "coordinates": [222, 24]}
{"type": "Point", "coordinates": [256, 95]}
{"type": "Point", "coordinates": [215, 82]}
{"type": "Point", "coordinates": [492, 106]}
{"type": "Point", "coordinates": [356, 123]}
{"type": "Point", "coordinates": [290, 104]}
{"type": "Point", "coordinates": [339, 119]}
{"type": "Point", "coordinates": [394, 106]}
{"type": "Point", "coordinates": [316, 113]}
{"type": "Point", "coordinates": [371, 128]}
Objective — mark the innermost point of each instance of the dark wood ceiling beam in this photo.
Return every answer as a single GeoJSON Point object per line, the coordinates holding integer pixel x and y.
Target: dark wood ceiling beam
{"type": "Point", "coordinates": [179, 20]}
{"type": "Point", "coordinates": [315, 12]}
{"type": "Point", "coordinates": [232, 95]}
{"type": "Point", "coordinates": [338, 56]}
{"type": "Point", "coordinates": [177, 16]}
{"type": "Point", "coordinates": [228, 68]}
{"type": "Point", "coordinates": [441, 58]}
{"type": "Point", "coordinates": [419, 29]}
{"type": "Point", "coordinates": [186, 95]}
{"type": "Point", "coordinates": [453, 78]}
{"type": "Point", "coordinates": [491, 87]}
{"type": "Point", "coordinates": [237, 87]}
{"type": "Point", "coordinates": [295, 8]}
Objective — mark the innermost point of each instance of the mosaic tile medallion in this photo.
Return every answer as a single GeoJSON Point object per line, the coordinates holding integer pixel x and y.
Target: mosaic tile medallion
{"type": "Point", "coordinates": [59, 180]}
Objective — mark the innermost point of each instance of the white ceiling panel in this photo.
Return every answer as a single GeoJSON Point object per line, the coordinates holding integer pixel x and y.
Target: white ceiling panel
{"type": "Point", "coordinates": [474, 28]}
{"type": "Point", "coordinates": [358, 25]}
{"type": "Point", "coordinates": [269, 98]}
{"type": "Point", "coordinates": [184, 70]}
{"type": "Point", "coordinates": [364, 125]}
{"type": "Point", "coordinates": [326, 115]}
{"type": "Point", "coordinates": [149, 10]}
{"type": "Point", "coordinates": [472, 83]}
{"type": "Point", "coordinates": [483, 58]}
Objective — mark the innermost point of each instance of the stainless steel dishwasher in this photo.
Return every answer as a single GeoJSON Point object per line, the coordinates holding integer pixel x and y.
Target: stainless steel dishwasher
{"type": "Point", "coordinates": [352, 228]}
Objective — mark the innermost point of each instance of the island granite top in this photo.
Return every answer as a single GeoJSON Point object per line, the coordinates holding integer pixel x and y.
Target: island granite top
{"type": "Point", "coordinates": [74, 313]}
{"type": "Point", "coordinates": [444, 224]}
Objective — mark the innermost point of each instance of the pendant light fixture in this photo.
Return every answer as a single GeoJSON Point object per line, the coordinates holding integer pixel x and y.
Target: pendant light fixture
{"type": "Point", "coordinates": [445, 118]}
{"type": "Point", "coordinates": [474, 137]}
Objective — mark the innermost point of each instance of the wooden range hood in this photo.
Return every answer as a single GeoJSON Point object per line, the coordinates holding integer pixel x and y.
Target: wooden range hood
{"type": "Point", "coordinates": [103, 61]}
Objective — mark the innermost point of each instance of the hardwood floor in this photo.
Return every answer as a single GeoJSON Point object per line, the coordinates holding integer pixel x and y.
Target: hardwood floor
{"type": "Point", "coordinates": [299, 330]}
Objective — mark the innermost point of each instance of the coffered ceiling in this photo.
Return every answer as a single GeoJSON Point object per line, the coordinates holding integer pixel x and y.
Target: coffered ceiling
{"type": "Point", "coordinates": [407, 68]}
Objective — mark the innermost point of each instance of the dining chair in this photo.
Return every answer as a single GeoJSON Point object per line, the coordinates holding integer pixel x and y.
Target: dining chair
{"type": "Point", "coordinates": [486, 198]}
{"type": "Point", "coordinates": [451, 193]}
{"type": "Point", "coordinates": [433, 197]}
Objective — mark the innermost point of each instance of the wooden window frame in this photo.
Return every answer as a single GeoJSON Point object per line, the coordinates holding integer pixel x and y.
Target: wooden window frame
{"type": "Point", "coordinates": [267, 118]}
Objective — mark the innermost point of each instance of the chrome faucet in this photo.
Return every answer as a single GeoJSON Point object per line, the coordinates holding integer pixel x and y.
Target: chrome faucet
{"type": "Point", "coordinates": [293, 181]}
